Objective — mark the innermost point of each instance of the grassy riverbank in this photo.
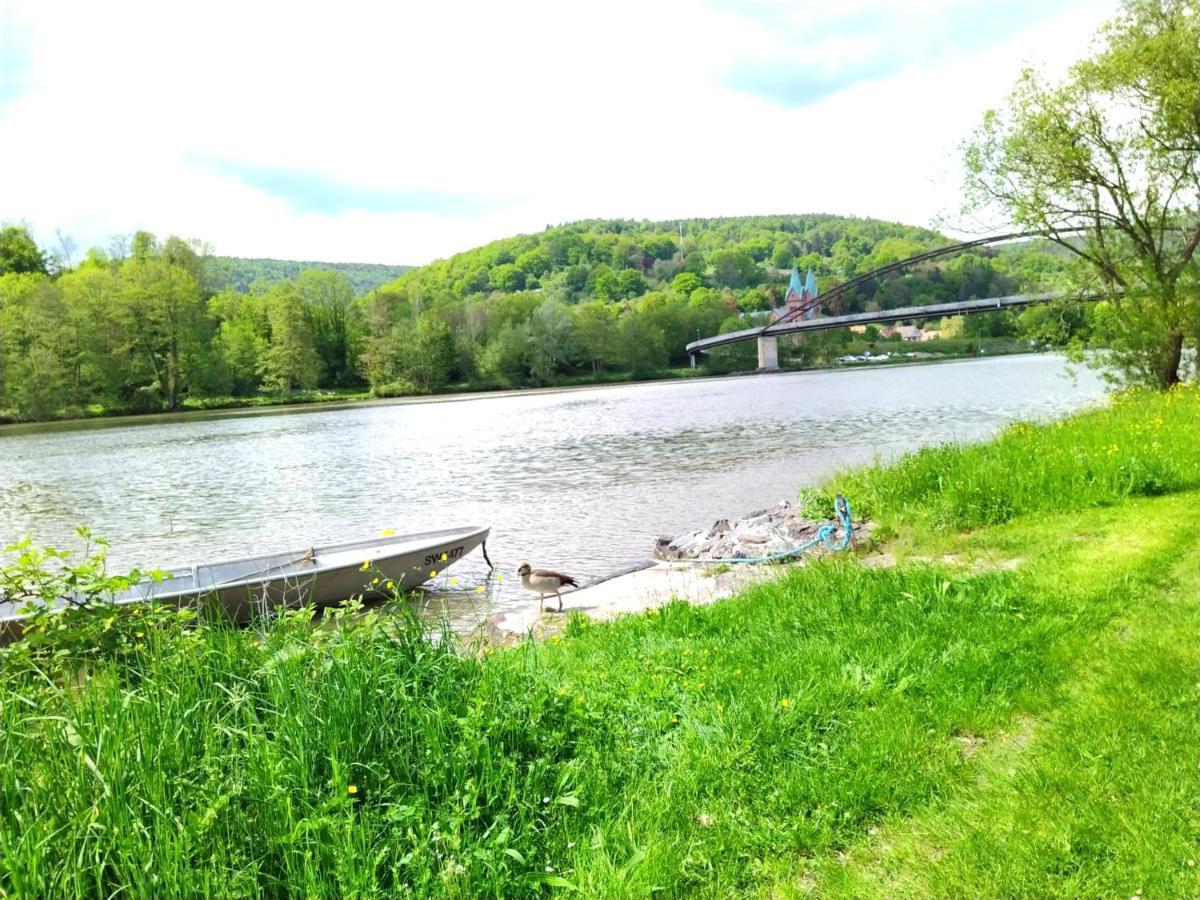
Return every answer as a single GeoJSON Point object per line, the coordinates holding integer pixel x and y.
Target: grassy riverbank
{"type": "Point", "coordinates": [1015, 717]}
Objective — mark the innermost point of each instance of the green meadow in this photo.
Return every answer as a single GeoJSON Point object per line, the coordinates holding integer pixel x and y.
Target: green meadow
{"type": "Point", "coordinates": [1008, 710]}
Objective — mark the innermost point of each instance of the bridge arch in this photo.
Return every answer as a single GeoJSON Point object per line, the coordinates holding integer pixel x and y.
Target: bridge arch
{"type": "Point", "coordinates": [767, 335]}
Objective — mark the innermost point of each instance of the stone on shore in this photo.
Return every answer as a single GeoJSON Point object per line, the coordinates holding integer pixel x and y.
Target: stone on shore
{"type": "Point", "coordinates": [766, 532]}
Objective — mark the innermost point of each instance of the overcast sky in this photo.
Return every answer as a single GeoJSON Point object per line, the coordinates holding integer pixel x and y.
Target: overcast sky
{"type": "Point", "coordinates": [401, 132]}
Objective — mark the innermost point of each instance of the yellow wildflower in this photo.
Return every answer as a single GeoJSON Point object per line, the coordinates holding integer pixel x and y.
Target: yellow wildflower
{"type": "Point", "coordinates": [374, 581]}
{"type": "Point", "coordinates": [444, 557]}
{"type": "Point", "coordinates": [352, 789]}
{"type": "Point", "coordinates": [785, 702]}
{"type": "Point", "coordinates": [453, 581]}
{"type": "Point", "coordinates": [479, 590]}
{"type": "Point", "coordinates": [433, 573]}
{"type": "Point", "coordinates": [366, 565]}
{"type": "Point", "coordinates": [387, 532]}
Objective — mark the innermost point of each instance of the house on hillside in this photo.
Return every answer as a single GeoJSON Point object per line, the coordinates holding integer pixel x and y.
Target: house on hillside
{"type": "Point", "coordinates": [904, 332]}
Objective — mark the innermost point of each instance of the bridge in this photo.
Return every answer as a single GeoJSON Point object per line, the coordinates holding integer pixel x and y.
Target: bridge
{"type": "Point", "coordinates": [767, 335]}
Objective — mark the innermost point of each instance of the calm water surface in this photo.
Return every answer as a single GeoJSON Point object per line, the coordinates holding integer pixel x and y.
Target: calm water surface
{"type": "Point", "coordinates": [583, 480]}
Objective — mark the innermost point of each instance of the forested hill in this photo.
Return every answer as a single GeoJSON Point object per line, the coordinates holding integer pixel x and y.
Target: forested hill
{"type": "Point", "coordinates": [613, 259]}
{"type": "Point", "coordinates": [628, 295]}
{"type": "Point", "coordinates": [238, 274]}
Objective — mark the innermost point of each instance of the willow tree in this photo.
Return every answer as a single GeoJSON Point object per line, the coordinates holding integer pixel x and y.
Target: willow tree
{"type": "Point", "coordinates": [1107, 165]}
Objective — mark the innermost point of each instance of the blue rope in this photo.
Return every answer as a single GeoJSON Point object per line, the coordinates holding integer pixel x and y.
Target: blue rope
{"type": "Point", "coordinates": [825, 535]}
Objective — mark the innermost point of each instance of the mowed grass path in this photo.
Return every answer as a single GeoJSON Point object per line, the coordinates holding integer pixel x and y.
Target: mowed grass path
{"type": "Point", "coordinates": [1097, 793]}
{"type": "Point", "coordinates": [975, 727]}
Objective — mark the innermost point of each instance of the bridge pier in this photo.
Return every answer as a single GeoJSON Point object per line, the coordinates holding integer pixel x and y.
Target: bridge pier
{"type": "Point", "coordinates": [768, 353]}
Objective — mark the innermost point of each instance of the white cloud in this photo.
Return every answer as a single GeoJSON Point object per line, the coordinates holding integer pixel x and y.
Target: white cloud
{"type": "Point", "coordinates": [554, 111]}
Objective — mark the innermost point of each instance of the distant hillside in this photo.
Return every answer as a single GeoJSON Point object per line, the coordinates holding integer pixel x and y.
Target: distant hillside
{"type": "Point", "coordinates": [747, 258]}
{"type": "Point", "coordinates": [578, 300]}
{"type": "Point", "coordinates": [238, 273]}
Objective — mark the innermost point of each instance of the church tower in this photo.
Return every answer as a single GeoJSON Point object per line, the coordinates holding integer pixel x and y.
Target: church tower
{"type": "Point", "coordinates": [801, 297]}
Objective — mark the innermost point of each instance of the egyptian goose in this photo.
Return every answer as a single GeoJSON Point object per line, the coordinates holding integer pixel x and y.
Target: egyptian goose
{"type": "Point", "coordinates": [543, 582]}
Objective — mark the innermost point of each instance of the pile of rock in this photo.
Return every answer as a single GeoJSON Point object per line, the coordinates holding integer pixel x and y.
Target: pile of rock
{"type": "Point", "coordinates": [763, 533]}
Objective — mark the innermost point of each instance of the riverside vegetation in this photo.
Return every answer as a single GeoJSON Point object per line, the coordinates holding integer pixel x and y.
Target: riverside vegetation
{"type": "Point", "coordinates": [1008, 711]}
{"type": "Point", "coordinates": [156, 325]}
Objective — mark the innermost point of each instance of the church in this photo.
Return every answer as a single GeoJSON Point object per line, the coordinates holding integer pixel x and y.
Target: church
{"type": "Point", "coordinates": [801, 300]}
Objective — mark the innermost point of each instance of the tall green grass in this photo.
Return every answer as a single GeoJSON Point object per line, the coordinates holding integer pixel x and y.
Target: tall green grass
{"type": "Point", "coordinates": [681, 751]}
{"type": "Point", "coordinates": [1138, 445]}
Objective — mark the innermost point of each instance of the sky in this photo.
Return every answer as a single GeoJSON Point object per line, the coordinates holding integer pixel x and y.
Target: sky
{"type": "Point", "coordinates": [404, 132]}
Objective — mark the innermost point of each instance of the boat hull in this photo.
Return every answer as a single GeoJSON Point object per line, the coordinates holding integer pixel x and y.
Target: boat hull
{"type": "Point", "coordinates": [242, 589]}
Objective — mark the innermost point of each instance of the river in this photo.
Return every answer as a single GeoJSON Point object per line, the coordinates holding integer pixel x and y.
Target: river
{"type": "Point", "coordinates": [583, 480]}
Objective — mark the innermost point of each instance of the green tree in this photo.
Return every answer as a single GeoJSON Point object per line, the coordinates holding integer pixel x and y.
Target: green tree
{"type": "Point", "coordinates": [595, 324]}
{"type": "Point", "coordinates": [241, 338]}
{"type": "Point", "coordinates": [92, 297]}
{"type": "Point", "coordinates": [733, 268]}
{"type": "Point", "coordinates": [240, 348]}
{"type": "Point", "coordinates": [328, 296]}
{"type": "Point", "coordinates": [290, 360]}
{"type": "Point", "coordinates": [430, 355]}
{"type": "Point", "coordinates": [660, 246]}
{"type": "Point", "coordinates": [19, 253]}
{"type": "Point", "coordinates": [143, 245]}
{"type": "Point", "coordinates": [507, 277]}
{"type": "Point", "coordinates": [161, 311]}
{"type": "Point", "coordinates": [506, 357]}
{"type": "Point", "coordinates": [686, 282]}
{"type": "Point", "coordinates": [37, 345]}
{"type": "Point", "coordinates": [1107, 165]}
{"type": "Point", "coordinates": [552, 341]}
{"type": "Point", "coordinates": [631, 283]}
{"type": "Point", "coordinates": [576, 277]}
{"type": "Point", "coordinates": [535, 262]}
{"type": "Point", "coordinates": [607, 285]}
{"type": "Point", "coordinates": [783, 255]}
{"type": "Point", "coordinates": [640, 346]}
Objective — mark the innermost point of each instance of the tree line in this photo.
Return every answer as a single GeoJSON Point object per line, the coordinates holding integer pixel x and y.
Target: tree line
{"type": "Point", "coordinates": [241, 273]}
{"type": "Point", "coordinates": [152, 330]}
{"type": "Point", "coordinates": [146, 326]}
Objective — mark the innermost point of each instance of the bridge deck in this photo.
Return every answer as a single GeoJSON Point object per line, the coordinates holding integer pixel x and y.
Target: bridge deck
{"type": "Point", "coordinates": [933, 311]}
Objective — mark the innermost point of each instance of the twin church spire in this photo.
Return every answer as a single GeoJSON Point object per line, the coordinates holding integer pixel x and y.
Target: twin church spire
{"type": "Point", "coordinates": [801, 297]}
